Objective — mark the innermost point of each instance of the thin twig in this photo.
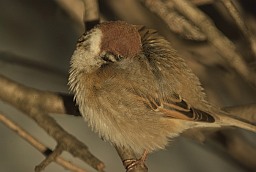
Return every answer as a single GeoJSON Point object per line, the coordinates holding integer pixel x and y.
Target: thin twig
{"type": "Point", "coordinates": [38, 145]}
{"type": "Point", "coordinates": [91, 13]}
{"type": "Point", "coordinates": [225, 47]}
{"type": "Point", "coordinates": [55, 153]}
{"type": "Point", "coordinates": [202, 2]}
{"type": "Point", "coordinates": [24, 97]}
{"type": "Point", "coordinates": [33, 103]}
{"type": "Point", "coordinates": [234, 13]}
{"type": "Point", "coordinates": [177, 23]}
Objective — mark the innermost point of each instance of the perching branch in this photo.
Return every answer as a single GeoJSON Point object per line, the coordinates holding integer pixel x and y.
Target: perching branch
{"type": "Point", "coordinates": [127, 154]}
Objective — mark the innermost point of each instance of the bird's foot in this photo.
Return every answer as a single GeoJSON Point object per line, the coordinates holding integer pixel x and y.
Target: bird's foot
{"type": "Point", "coordinates": [131, 164]}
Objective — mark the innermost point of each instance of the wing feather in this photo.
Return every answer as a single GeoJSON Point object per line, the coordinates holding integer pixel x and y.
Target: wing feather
{"type": "Point", "coordinates": [177, 108]}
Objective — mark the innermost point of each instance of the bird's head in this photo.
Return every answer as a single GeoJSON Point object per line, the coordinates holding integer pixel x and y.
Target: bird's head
{"type": "Point", "coordinates": [107, 42]}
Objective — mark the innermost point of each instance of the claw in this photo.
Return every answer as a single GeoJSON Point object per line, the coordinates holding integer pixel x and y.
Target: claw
{"type": "Point", "coordinates": [130, 164]}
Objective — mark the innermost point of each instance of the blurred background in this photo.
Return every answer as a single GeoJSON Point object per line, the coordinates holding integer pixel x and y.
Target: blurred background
{"type": "Point", "coordinates": [37, 39]}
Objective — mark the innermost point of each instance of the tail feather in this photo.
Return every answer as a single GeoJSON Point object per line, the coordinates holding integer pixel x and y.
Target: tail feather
{"type": "Point", "coordinates": [237, 122]}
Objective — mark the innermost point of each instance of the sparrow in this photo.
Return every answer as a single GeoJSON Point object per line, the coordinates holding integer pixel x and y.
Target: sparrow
{"type": "Point", "coordinates": [135, 91]}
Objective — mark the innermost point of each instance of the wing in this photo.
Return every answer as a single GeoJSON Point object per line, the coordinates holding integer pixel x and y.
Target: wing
{"type": "Point", "coordinates": [162, 57]}
{"type": "Point", "coordinates": [178, 108]}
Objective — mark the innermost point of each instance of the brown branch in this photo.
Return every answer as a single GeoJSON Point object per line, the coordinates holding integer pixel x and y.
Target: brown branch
{"type": "Point", "coordinates": [234, 13]}
{"type": "Point", "coordinates": [177, 23]}
{"type": "Point", "coordinates": [224, 46]}
{"type": "Point", "coordinates": [202, 2]}
{"type": "Point", "coordinates": [56, 153]}
{"type": "Point", "coordinates": [128, 154]}
{"type": "Point", "coordinates": [91, 13]}
{"type": "Point", "coordinates": [36, 104]}
{"type": "Point", "coordinates": [33, 102]}
{"type": "Point", "coordinates": [54, 103]}
{"type": "Point", "coordinates": [38, 145]}
{"type": "Point", "coordinates": [16, 92]}
{"type": "Point", "coordinates": [83, 11]}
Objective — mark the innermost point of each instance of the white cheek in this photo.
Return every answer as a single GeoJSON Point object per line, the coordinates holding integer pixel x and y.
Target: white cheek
{"type": "Point", "coordinates": [85, 56]}
{"type": "Point", "coordinates": [95, 41]}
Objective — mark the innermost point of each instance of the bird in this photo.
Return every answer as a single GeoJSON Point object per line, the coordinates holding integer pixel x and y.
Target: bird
{"type": "Point", "coordinates": [136, 91]}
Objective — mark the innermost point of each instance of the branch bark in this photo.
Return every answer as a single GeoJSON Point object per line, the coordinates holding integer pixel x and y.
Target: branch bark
{"type": "Point", "coordinates": [38, 145]}
{"type": "Point", "coordinates": [177, 23]}
{"type": "Point", "coordinates": [127, 154]}
{"type": "Point", "coordinates": [36, 104]}
{"type": "Point", "coordinates": [234, 13]}
{"type": "Point", "coordinates": [224, 46]}
{"type": "Point", "coordinates": [91, 13]}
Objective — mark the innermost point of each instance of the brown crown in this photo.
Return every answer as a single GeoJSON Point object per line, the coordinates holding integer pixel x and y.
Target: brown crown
{"type": "Point", "coordinates": [120, 38]}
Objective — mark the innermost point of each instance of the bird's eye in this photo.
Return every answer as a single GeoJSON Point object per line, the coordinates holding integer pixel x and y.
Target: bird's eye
{"type": "Point", "coordinates": [111, 58]}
